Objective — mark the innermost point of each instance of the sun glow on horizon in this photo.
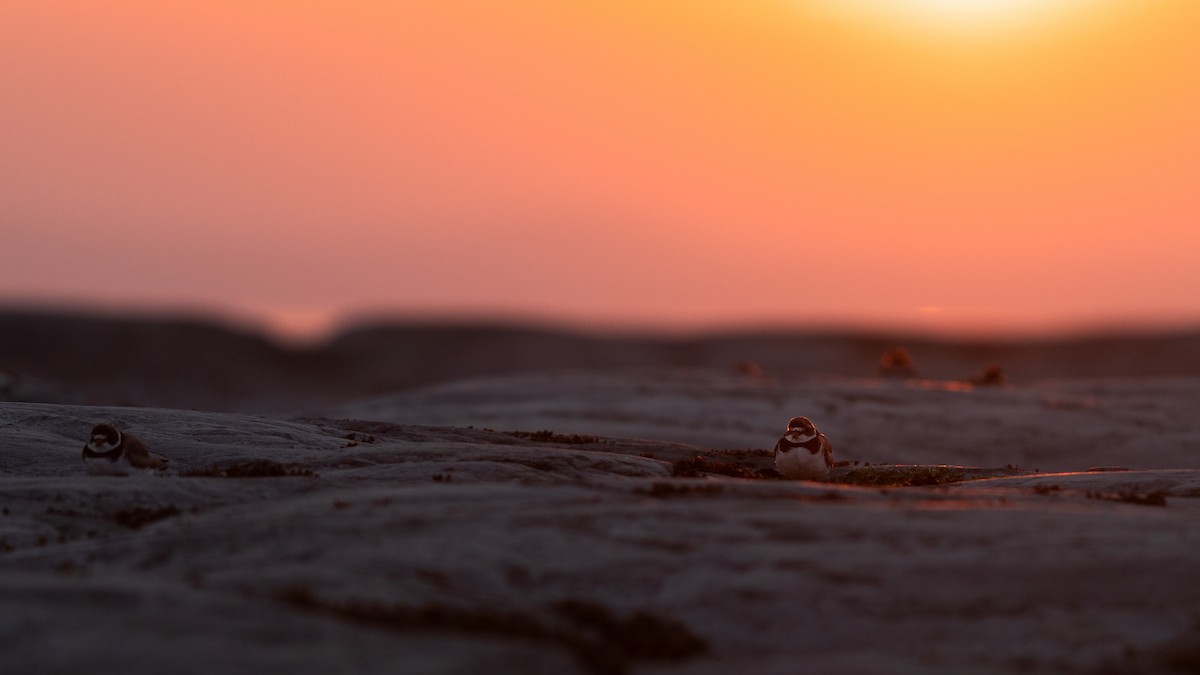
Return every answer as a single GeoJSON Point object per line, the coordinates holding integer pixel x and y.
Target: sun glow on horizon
{"type": "Point", "coordinates": [966, 18]}
{"type": "Point", "coordinates": [948, 166]}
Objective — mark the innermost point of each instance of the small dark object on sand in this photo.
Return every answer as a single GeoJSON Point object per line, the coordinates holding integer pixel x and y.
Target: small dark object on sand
{"type": "Point", "coordinates": [897, 364]}
{"type": "Point", "coordinates": [748, 369]}
{"type": "Point", "coordinates": [992, 376]}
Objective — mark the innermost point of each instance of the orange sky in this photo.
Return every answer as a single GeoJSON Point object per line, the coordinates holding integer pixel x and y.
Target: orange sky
{"type": "Point", "coordinates": [917, 164]}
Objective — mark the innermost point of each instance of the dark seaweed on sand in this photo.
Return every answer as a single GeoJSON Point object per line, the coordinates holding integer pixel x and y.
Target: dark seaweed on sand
{"type": "Point", "coordinates": [902, 476]}
{"type": "Point", "coordinates": [1156, 498]}
{"type": "Point", "coordinates": [604, 643]}
{"type": "Point", "coordinates": [256, 468]}
{"type": "Point", "coordinates": [140, 516]}
{"type": "Point", "coordinates": [698, 466]}
{"type": "Point", "coordinates": [548, 436]}
{"type": "Point", "coordinates": [679, 489]}
{"type": "Point", "coordinates": [916, 475]}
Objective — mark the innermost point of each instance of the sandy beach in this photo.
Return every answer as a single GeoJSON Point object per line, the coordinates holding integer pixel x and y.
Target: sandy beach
{"type": "Point", "coordinates": [561, 522]}
{"type": "Point", "coordinates": [457, 337]}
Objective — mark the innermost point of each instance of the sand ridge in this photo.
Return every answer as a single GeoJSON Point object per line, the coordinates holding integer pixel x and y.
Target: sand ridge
{"type": "Point", "coordinates": [394, 537]}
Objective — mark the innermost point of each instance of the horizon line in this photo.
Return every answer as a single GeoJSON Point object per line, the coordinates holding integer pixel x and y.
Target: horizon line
{"type": "Point", "coordinates": [335, 325]}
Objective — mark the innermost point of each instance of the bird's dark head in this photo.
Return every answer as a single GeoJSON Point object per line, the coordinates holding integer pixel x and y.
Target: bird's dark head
{"type": "Point", "coordinates": [104, 437]}
{"type": "Point", "coordinates": [802, 425]}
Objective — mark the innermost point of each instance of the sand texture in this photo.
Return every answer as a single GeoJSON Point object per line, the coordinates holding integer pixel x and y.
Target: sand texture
{"type": "Point", "coordinates": [415, 532]}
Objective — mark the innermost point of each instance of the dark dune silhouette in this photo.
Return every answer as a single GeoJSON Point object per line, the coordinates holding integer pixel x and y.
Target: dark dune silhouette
{"type": "Point", "coordinates": [197, 363]}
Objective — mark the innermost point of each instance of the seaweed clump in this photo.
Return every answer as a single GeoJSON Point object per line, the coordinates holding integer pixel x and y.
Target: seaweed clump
{"type": "Point", "coordinates": [903, 476]}
{"type": "Point", "coordinates": [680, 489]}
{"type": "Point", "coordinates": [257, 468]}
{"type": "Point", "coordinates": [140, 516]}
{"type": "Point", "coordinates": [639, 636]}
{"type": "Point", "coordinates": [548, 436]}
{"type": "Point", "coordinates": [604, 643]}
{"type": "Point", "coordinates": [1155, 498]}
{"type": "Point", "coordinates": [698, 466]}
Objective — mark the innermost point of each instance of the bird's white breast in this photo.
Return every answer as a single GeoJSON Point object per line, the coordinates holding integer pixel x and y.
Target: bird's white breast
{"type": "Point", "coordinates": [103, 466]}
{"type": "Point", "coordinates": [799, 463]}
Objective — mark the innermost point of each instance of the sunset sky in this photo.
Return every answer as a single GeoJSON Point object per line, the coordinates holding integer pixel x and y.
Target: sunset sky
{"type": "Point", "coordinates": [957, 166]}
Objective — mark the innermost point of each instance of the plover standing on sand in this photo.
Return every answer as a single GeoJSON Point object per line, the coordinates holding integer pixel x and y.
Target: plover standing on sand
{"type": "Point", "coordinates": [803, 452]}
{"type": "Point", "coordinates": [114, 453]}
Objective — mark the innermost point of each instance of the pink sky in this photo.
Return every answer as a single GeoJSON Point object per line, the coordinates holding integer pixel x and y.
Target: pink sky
{"type": "Point", "coordinates": [673, 164]}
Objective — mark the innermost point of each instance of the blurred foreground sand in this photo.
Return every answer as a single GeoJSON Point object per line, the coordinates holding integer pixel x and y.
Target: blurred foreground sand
{"type": "Point", "coordinates": [410, 530]}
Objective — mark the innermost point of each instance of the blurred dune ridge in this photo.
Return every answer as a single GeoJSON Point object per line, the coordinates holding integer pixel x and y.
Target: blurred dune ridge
{"type": "Point", "coordinates": [147, 360]}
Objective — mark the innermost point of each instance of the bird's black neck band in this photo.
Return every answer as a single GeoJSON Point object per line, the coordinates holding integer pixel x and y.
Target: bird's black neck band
{"type": "Point", "coordinates": [112, 455]}
{"type": "Point", "coordinates": [813, 444]}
